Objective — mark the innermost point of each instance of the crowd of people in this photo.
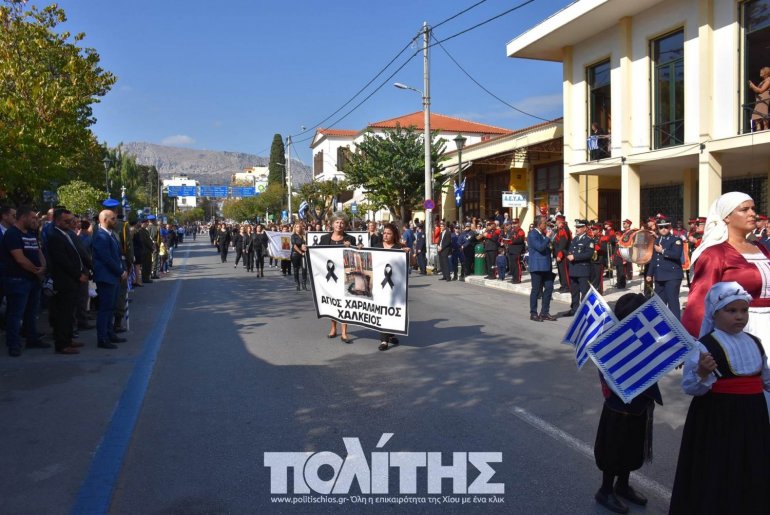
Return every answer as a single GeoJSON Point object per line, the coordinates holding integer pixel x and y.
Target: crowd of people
{"type": "Point", "coordinates": [66, 265]}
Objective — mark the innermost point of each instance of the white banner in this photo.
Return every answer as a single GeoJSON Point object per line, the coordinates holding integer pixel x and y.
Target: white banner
{"type": "Point", "coordinates": [279, 244]}
{"type": "Point", "coordinates": [314, 237]}
{"type": "Point", "coordinates": [362, 287]}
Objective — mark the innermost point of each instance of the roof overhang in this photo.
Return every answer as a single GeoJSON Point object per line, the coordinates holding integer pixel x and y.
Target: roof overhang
{"type": "Point", "coordinates": [573, 24]}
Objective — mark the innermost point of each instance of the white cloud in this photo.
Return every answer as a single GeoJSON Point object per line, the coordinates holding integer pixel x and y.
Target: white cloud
{"type": "Point", "coordinates": [177, 140]}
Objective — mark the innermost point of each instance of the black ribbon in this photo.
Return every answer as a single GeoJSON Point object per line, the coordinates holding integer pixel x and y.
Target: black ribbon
{"type": "Point", "coordinates": [360, 240]}
{"type": "Point", "coordinates": [315, 239]}
{"type": "Point", "coordinates": [330, 269]}
{"type": "Point", "coordinates": [388, 275]}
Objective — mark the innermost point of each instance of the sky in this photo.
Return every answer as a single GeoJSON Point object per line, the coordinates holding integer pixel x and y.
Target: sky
{"type": "Point", "coordinates": [230, 75]}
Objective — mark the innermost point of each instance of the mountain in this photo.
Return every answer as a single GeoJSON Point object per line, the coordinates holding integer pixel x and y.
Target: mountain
{"type": "Point", "coordinates": [206, 166]}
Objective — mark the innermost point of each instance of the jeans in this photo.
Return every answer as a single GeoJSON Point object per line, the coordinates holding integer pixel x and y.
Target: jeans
{"type": "Point", "coordinates": [541, 281]}
{"type": "Point", "coordinates": [108, 294]}
{"type": "Point", "coordinates": [22, 298]}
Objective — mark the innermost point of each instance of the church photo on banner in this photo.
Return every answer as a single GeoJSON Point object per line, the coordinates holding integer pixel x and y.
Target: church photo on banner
{"type": "Point", "coordinates": [366, 287]}
{"type": "Point", "coordinates": [279, 244]}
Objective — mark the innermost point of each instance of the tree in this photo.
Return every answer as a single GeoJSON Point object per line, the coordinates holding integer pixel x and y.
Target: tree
{"type": "Point", "coordinates": [391, 169]}
{"type": "Point", "coordinates": [277, 165]}
{"type": "Point", "coordinates": [48, 85]}
{"type": "Point", "coordinates": [79, 197]}
{"type": "Point", "coordinates": [320, 195]}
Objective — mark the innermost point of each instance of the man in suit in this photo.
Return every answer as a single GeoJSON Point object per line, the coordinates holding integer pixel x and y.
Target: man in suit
{"type": "Point", "coordinates": [108, 274]}
{"type": "Point", "coordinates": [419, 249]}
{"type": "Point", "coordinates": [665, 268]}
{"type": "Point", "coordinates": [444, 249]}
{"type": "Point", "coordinates": [147, 250]}
{"type": "Point", "coordinates": [68, 272]}
{"type": "Point", "coordinates": [539, 243]}
{"type": "Point", "coordinates": [578, 257]}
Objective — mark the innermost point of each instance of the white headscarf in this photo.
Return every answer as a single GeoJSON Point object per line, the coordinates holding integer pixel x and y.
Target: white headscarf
{"type": "Point", "coordinates": [715, 231]}
{"type": "Point", "coordinates": [719, 296]}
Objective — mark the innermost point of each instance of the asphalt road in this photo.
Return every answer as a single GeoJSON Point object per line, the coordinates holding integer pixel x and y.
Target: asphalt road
{"type": "Point", "coordinates": [222, 367]}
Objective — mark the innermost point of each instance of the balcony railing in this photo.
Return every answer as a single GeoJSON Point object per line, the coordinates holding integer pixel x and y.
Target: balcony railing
{"type": "Point", "coordinates": [598, 147]}
{"type": "Point", "coordinates": [668, 134]}
{"type": "Point", "coordinates": [750, 110]}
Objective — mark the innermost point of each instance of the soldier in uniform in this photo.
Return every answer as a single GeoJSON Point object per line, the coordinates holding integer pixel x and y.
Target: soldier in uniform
{"type": "Point", "coordinates": [561, 241]}
{"type": "Point", "coordinates": [607, 242]}
{"type": "Point", "coordinates": [578, 257]}
{"type": "Point", "coordinates": [147, 248]}
{"type": "Point", "coordinates": [665, 268]}
{"type": "Point", "coordinates": [516, 242]}
{"type": "Point", "coordinates": [594, 232]}
{"type": "Point", "coordinates": [648, 285]}
{"type": "Point", "coordinates": [623, 269]}
{"type": "Point", "coordinates": [491, 239]}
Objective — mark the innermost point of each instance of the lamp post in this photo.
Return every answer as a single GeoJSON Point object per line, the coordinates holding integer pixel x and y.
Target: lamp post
{"type": "Point", "coordinates": [460, 143]}
{"type": "Point", "coordinates": [107, 162]}
{"type": "Point", "coordinates": [334, 197]}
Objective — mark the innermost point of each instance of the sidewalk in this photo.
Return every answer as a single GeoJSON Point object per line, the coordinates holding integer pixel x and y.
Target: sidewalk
{"type": "Point", "coordinates": [611, 294]}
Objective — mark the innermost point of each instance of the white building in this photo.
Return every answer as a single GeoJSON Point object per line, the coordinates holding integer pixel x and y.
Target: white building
{"type": "Point", "coordinates": [674, 73]}
{"type": "Point", "coordinates": [186, 202]}
{"type": "Point", "coordinates": [331, 147]}
{"type": "Point", "coordinates": [255, 176]}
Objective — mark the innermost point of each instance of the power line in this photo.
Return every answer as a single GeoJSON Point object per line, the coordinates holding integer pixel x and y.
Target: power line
{"type": "Point", "coordinates": [482, 86]}
{"type": "Point", "coordinates": [382, 70]}
{"type": "Point", "coordinates": [439, 24]}
{"type": "Point", "coordinates": [515, 8]}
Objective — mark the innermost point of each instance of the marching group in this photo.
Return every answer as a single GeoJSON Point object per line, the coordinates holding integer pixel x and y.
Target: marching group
{"type": "Point", "coordinates": [66, 264]}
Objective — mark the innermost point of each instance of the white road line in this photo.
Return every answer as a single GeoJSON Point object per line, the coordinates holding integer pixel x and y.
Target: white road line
{"type": "Point", "coordinates": [586, 450]}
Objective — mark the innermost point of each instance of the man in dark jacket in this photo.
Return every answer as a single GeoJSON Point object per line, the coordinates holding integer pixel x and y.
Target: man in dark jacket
{"type": "Point", "coordinates": [444, 250]}
{"type": "Point", "coordinates": [579, 255]}
{"type": "Point", "coordinates": [67, 271]}
{"type": "Point", "coordinates": [108, 274]}
{"type": "Point", "coordinates": [147, 250]}
{"type": "Point", "coordinates": [516, 242]}
{"type": "Point", "coordinates": [540, 270]}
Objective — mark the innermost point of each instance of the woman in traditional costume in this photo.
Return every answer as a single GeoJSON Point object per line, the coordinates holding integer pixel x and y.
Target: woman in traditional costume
{"type": "Point", "coordinates": [724, 459]}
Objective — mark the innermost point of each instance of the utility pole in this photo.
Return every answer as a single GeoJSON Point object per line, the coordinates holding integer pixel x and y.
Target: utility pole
{"type": "Point", "coordinates": [427, 138]}
{"type": "Point", "coordinates": [288, 171]}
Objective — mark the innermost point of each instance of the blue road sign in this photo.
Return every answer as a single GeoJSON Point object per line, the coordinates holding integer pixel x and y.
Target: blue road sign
{"type": "Point", "coordinates": [214, 191]}
{"type": "Point", "coordinates": [182, 191]}
{"type": "Point", "coordinates": [244, 191]}
{"type": "Point", "coordinates": [354, 208]}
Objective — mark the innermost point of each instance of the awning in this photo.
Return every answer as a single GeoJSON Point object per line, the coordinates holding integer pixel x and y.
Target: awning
{"type": "Point", "coordinates": [451, 170]}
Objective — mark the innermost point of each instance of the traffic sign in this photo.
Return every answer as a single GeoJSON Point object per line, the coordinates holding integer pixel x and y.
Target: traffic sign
{"type": "Point", "coordinates": [182, 191]}
{"type": "Point", "coordinates": [429, 204]}
{"type": "Point", "coordinates": [354, 208]}
{"type": "Point", "coordinates": [214, 191]}
{"type": "Point", "coordinates": [244, 191]}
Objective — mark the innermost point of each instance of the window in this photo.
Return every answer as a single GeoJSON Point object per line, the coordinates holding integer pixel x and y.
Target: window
{"type": "Point", "coordinates": [754, 186]}
{"type": "Point", "coordinates": [667, 200]}
{"type": "Point", "coordinates": [549, 180]}
{"type": "Point", "coordinates": [756, 40]}
{"type": "Point", "coordinates": [599, 110]}
{"type": "Point", "coordinates": [668, 77]}
{"type": "Point", "coordinates": [318, 163]}
{"type": "Point", "coordinates": [343, 157]}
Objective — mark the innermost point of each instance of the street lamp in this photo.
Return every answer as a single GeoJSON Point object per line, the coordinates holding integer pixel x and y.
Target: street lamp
{"type": "Point", "coordinates": [428, 169]}
{"type": "Point", "coordinates": [460, 143]}
{"type": "Point", "coordinates": [334, 197]}
{"type": "Point", "coordinates": [107, 162]}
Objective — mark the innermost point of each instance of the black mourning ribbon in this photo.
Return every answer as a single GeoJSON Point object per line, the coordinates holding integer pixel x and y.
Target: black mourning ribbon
{"type": "Point", "coordinates": [360, 240]}
{"type": "Point", "coordinates": [330, 269]}
{"type": "Point", "coordinates": [388, 275]}
{"type": "Point", "coordinates": [315, 239]}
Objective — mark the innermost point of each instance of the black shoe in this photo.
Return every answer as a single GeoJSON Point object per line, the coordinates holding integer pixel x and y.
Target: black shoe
{"type": "Point", "coordinates": [38, 344]}
{"type": "Point", "coordinates": [611, 502]}
{"type": "Point", "coordinates": [535, 318]}
{"type": "Point", "coordinates": [393, 340]}
{"type": "Point", "coordinates": [106, 345]}
{"type": "Point", "coordinates": [85, 327]}
{"type": "Point", "coordinates": [15, 352]}
{"type": "Point", "coordinates": [570, 313]}
{"type": "Point", "coordinates": [629, 494]}
{"type": "Point", "coordinates": [117, 339]}
{"type": "Point", "coordinates": [548, 317]}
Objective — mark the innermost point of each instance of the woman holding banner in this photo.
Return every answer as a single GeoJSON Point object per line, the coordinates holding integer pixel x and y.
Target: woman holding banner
{"type": "Point", "coordinates": [390, 240]}
{"type": "Point", "coordinates": [260, 249]}
{"type": "Point", "coordinates": [338, 236]}
{"type": "Point", "coordinates": [298, 249]}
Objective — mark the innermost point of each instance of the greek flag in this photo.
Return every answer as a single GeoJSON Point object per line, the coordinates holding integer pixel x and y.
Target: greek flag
{"type": "Point", "coordinates": [641, 349]}
{"type": "Point", "coordinates": [593, 143]}
{"type": "Point", "coordinates": [303, 207]}
{"type": "Point", "coordinates": [459, 190]}
{"type": "Point", "coordinates": [592, 319]}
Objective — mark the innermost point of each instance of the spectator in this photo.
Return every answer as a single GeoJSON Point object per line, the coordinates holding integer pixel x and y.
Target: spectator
{"type": "Point", "coordinates": [108, 274]}
{"type": "Point", "coordinates": [540, 270]}
{"type": "Point", "coordinates": [25, 268]}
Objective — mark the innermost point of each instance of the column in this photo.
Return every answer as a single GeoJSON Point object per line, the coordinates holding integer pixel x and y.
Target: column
{"type": "Point", "coordinates": [709, 180]}
{"type": "Point", "coordinates": [705, 88]}
{"type": "Point", "coordinates": [630, 193]}
{"type": "Point", "coordinates": [690, 194]}
{"type": "Point", "coordinates": [622, 127]}
{"type": "Point", "coordinates": [572, 196]}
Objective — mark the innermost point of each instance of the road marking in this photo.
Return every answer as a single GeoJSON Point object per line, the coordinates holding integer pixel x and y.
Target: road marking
{"type": "Point", "coordinates": [95, 494]}
{"type": "Point", "coordinates": [586, 450]}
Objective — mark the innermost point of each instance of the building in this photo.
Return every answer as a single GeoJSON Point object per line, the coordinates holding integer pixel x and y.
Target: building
{"type": "Point", "coordinates": [527, 162]}
{"type": "Point", "coordinates": [186, 202]}
{"type": "Point", "coordinates": [254, 176]}
{"type": "Point", "coordinates": [331, 147]}
{"type": "Point", "coordinates": [674, 73]}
